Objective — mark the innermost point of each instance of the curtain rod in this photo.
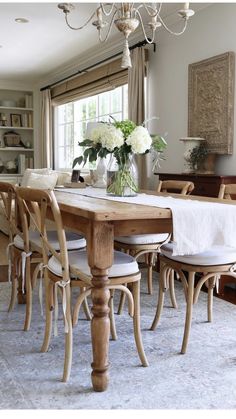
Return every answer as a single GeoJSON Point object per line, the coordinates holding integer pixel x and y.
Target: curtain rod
{"type": "Point", "coordinates": [139, 44]}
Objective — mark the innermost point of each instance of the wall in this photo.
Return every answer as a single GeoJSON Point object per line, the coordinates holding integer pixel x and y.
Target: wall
{"type": "Point", "coordinates": [210, 32]}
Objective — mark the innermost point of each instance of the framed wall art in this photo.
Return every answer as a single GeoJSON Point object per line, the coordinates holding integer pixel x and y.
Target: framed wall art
{"type": "Point", "coordinates": [211, 102]}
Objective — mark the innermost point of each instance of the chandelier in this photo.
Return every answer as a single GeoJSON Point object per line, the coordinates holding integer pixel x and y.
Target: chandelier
{"type": "Point", "coordinates": [127, 17]}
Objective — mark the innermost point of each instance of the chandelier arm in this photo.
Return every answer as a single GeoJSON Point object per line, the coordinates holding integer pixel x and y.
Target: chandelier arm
{"type": "Point", "coordinates": [143, 29]}
{"type": "Point", "coordinates": [147, 7]}
{"type": "Point", "coordinates": [109, 29]}
{"type": "Point", "coordinates": [79, 27]}
{"type": "Point", "coordinates": [110, 11]}
{"type": "Point", "coordinates": [169, 30]}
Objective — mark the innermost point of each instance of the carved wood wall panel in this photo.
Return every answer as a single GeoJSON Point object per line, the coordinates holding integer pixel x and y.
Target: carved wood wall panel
{"type": "Point", "coordinates": [211, 102]}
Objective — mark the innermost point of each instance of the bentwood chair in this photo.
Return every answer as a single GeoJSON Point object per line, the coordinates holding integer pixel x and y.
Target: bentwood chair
{"type": "Point", "coordinates": [65, 269]}
{"type": "Point", "coordinates": [150, 243]}
{"type": "Point", "coordinates": [211, 265]}
{"type": "Point", "coordinates": [226, 192]}
{"type": "Point", "coordinates": [25, 252]}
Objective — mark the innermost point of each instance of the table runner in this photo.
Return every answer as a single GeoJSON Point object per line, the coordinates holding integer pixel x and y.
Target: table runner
{"type": "Point", "coordinates": [197, 225]}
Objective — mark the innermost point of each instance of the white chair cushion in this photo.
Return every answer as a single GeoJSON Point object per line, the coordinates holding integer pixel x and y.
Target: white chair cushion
{"type": "Point", "coordinates": [18, 242]}
{"type": "Point", "coordinates": [123, 264]}
{"type": "Point", "coordinates": [217, 255]}
{"type": "Point", "coordinates": [73, 240]}
{"type": "Point", "coordinates": [42, 181]}
{"type": "Point", "coordinates": [142, 239]}
{"type": "Point", "coordinates": [25, 178]}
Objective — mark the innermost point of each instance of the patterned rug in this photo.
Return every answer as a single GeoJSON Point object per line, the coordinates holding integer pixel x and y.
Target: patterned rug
{"type": "Point", "coordinates": [204, 378]}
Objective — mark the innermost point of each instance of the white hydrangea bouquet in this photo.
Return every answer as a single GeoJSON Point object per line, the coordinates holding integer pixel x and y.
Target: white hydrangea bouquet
{"type": "Point", "coordinates": [122, 139]}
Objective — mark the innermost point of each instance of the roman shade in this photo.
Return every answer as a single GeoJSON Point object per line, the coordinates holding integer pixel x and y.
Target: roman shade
{"type": "Point", "coordinates": [101, 79]}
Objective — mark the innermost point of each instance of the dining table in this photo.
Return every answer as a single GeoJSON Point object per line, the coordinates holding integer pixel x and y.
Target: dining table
{"type": "Point", "coordinates": [100, 221]}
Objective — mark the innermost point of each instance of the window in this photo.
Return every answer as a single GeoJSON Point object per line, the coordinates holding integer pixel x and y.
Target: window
{"type": "Point", "coordinates": [71, 121]}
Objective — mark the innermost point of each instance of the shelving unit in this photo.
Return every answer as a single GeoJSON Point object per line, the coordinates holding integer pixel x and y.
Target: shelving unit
{"type": "Point", "coordinates": [18, 105]}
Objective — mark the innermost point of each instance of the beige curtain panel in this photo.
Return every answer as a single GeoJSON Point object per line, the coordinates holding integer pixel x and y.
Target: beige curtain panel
{"type": "Point", "coordinates": [136, 100]}
{"type": "Point", "coordinates": [46, 129]}
{"type": "Point", "coordinates": [104, 78]}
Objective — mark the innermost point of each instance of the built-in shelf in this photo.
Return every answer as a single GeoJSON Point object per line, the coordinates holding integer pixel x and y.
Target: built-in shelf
{"type": "Point", "coordinates": [16, 108]}
{"type": "Point", "coordinates": [24, 128]}
{"type": "Point", "coordinates": [15, 149]}
{"type": "Point", "coordinates": [19, 104]}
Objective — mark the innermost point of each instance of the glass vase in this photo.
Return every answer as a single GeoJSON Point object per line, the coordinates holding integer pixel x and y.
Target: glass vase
{"type": "Point", "coordinates": [122, 176]}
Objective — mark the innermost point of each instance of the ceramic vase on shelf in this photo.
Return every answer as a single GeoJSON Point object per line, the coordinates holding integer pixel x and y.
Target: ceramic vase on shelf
{"type": "Point", "coordinates": [122, 176]}
{"type": "Point", "coordinates": [189, 144]}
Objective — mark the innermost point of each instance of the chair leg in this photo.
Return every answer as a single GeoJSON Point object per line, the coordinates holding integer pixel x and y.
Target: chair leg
{"type": "Point", "coordinates": [48, 314]}
{"type": "Point", "coordinates": [136, 322]}
{"type": "Point", "coordinates": [172, 288]}
{"type": "Point", "coordinates": [160, 300]}
{"type": "Point", "coordinates": [211, 284]}
{"type": "Point", "coordinates": [86, 309]}
{"type": "Point", "coordinates": [121, 303]}
{"type": "Point", "coordinates": [111, 314]}
{"type": "Point", "coordinates": [149, 272]}
{"type": "Point", "coordinates": [189, 310]}
{"type": "Point", "coordinates": [68, 337]}
{"type": "Point", "coordinates": [14, 283]}
{"type": "Point", "coordinates": [29, 296]}
{"type": "Point", "coordinates": [82, 299]}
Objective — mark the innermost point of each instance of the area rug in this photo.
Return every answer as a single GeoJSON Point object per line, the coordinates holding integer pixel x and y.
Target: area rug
{"type": "Point", "coordinates": [203, 378]}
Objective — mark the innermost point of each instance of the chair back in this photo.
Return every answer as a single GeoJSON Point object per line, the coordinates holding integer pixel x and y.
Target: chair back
{"type": "Point", "coordinates": [34, 207]}
{"type": "Point", "coordinates": [227, 191]}
{"type": "Point", "coordinates": [177, 186]}
{"type": "Point", "coordinates": [7, 195]}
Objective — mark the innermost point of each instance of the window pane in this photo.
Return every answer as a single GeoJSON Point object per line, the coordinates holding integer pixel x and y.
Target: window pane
{"type": "Point", "coordinates": [116, 98]}
{"type": "Point", "coordinates": [72, 118]}
{"type": "Point", "coordinates": [65, 113]}
{"type": "Point", "coordinates": [104, 103]}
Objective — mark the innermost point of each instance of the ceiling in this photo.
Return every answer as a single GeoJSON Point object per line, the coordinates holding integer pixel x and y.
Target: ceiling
{"type": "Point", "coordinates": [33, 51]}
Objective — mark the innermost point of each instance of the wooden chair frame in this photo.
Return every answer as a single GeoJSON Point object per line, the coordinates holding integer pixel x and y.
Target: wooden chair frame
{"type": "Point", "coordinates": [210, 274]}
{"type": "Point", "coordinates": [37, 203]}
{"type": "Point", "coordinates": [8, 196]}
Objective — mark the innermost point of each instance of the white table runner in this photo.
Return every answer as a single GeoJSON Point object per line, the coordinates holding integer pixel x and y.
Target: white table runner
{"type": "Point", "coordinates": [197, 225]}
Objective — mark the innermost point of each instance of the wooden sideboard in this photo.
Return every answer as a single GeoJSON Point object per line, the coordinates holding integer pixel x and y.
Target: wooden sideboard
{"type": "Point", "coordinates": [204, 185]}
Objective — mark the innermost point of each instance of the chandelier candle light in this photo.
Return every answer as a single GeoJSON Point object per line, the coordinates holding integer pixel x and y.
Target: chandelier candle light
{"type": "Point", "coordinates": [127, 17]}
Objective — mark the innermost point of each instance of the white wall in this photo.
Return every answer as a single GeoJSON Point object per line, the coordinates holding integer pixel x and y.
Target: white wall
{"type": "Point", "coordinates": [210, 32]}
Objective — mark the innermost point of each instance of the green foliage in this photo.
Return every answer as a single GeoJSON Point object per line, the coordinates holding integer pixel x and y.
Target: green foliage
{"type": "Point", "coordinates": [198, 155]}
{"type": "Point", "coordinates": [158, 143]}
{"type": "Point", "coordinates": [125, 126]}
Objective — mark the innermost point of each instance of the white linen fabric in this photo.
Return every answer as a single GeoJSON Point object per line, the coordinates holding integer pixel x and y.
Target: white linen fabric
{"type": "Point", "coordinates": [197, 225]}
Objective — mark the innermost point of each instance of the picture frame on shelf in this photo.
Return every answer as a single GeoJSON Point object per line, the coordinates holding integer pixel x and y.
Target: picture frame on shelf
{"type": "Point", "coordinates": [16, 120]}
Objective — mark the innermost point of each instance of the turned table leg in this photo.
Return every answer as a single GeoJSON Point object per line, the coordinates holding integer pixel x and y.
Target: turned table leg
{"type": "Point", "coordinates": [100, 256]}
